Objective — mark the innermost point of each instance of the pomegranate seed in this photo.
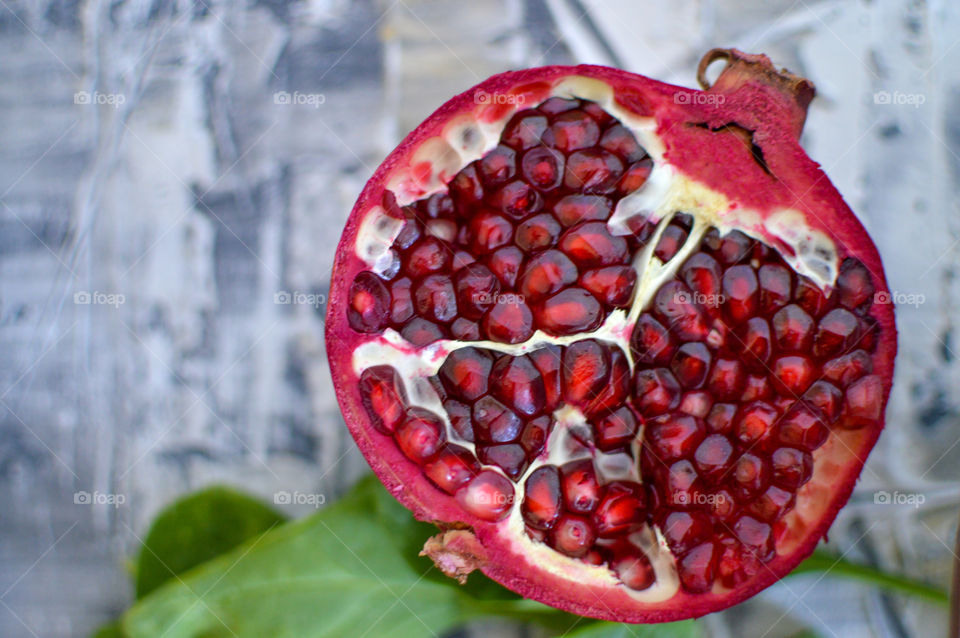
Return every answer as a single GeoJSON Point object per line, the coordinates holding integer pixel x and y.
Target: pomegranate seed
{"type": "Point", "coordinates": [791, 468]}
{"type": "Point", "coordinates": [690, 365]}
{"type": "Point", "coordinates": [443, 229]}
{"type": "Point", "coordinates": [621, 510]}
{"type": "Point", "coordinates": [651, 342]}
{"type": "Point", "coordinates": [826, 398]}
{"type": "Point", "coordinates": [801, 428]}
{"type": "Point", "coordinates": [401, 301]}
{"type": "Point", "coordinates": [420, 435]}
{"type": "Point", "coordinates": [674, 306]}
{"type": "Point", "coordinates": [581, 492]}
{"type": "Point", "coordinates": [453, 467]}
{"type": "Point", "coordinates": [701, 272]}
{"type": "Point", "coordinates": [542, 167]}
{"type": "Point", "coordinates": [657, 391]}
{"type": "Point", "coordinates": [734, 247]}
{"type": "Point", "coordinates": [772, 504]}
{"type": "Point", "coordinates": [524, 130]}
{"type": "Point", "coordinates": [498, 165]}
{"type": "Point", "coordinates": [538, 232]}
{"type": "Point", "coordinates": [836, 333]}
{"type": "Point", "coordinates": [477, 288]}
{"type": "Point", "coordinates": [597, 113]}
{"type": "Point", "coordinates": [740, 292]}
{"type": "Point", "coordinates": [634, 571]}
{"type": "Point", "coordinates": [721, 504]}
{"type": "Point", "coordinates": [809, 297]}
{"type": "Point", "coordinates": [793, 329]}
{"type": "Point", "coordinates": [382, 393]}
{"type": "Point", "coordinates": [616, 389]}
{"type": "Point", "coordinates": [369, 303]}
{"type": "Point", "coordinates": [756, 387]}
{"type": "Point", "coordinates": [460, 418]}
{"type": "Point", "coordinates": [685, 530]}
{"type": "Point", "coordinates": [586, 368]}
{"type": "Point", "coordinates": [593, 170]}
{"type": "Point", "coordinates": [793, 374]}
{"type": "Point", "coordinates": [616, 429]}
{"type": "Point", "coordinates": [617, 139]}
{"type": "Point", "coordinates": [712, 457]}
{"type": "Point", "coordinates": [593, 557]}
{"type": "Point", "coordinates": [590, 245]}
{"type": "Point", "coordinates": [465, 330]}
{"type": "Point", "coordinates": [720, 419]}
{"type": "Point", "coordinates": [427, 255]}
{"type": "Point", "coordinates": [726, 379]}
{"type": "Point", "coordinates": [557, 105]}
{"type": "Point", "coordinates": [869, 334]}
{"type": "Point", "coordinates": [435, 298]}
{"type": "Point", "coordinates": [508, 322]}
{"type": "Point", "coordinates": [697, 569]}
{"type": "Point", "coordinates": [462, 258]}
{"type": "Point", "coordinates": [505, 263]}
{"type": "Point", "coordinates": [854, 284]}
{"type": "Point", "coordinates": [756, 424]}
{"type": "Point", "coordinates": [466, 188]}
{"type": "Point", "coordinates": [755, 536]}
{"type": "Point", "coordinates": [509, 457]}
{"type": "Point", "coordinates": [737, 565]}
{"type": "Point", "coordinates": [489, 496]}
{"type": "Point", "coordinates": [409, 233]}
{"type": "Point", "coordinates": [864, 403]}
{"type": "Point", "coordinates": [420, 332]}
{"type": "Point", "coordinates": [541, 506]}
{"type": "Point", "coordinates": [465, 372]}
{"type": "Point", "coordinates": [673, 436]}
{"type": "Point", "coordinates": [545, 274]}
{"type": "Point", "coordinates": [572, 130]}
{"type": "Point", "coordinates": [570, 311]}
{"type": "Point", "coordinates": [547, 360]}
{"type": "Point", "coordinates": [517, 200]}
{"type": "Point", "coordinates": [757, 344]}
{"type": "Point", "coordinates": [696, 404]}
{"type": "Point", "coordinates": [494, 422]}
{"type": "Point", "coordinates": [534, 436]}
{"type": "Point", "coordinates": [671, 240]}
{"type": "Point", "coordinates": [776, 287]}
{"type": "Point", "coordinates": [635, 176]}
{"type": "Point", "coordinates": [750, 476]}
{"type": "Point", "coordinates": [518, 384]}
{"type": "Point", "coordinates": [682, 487]}
{"type": "Point", "coordinates": [573, 536]}
{"type": "Point", "coordinates": [612, 286]}
{"type": "Point", "coordinates": [846, 369]}
{"type": "Point", "coordinates": [489, 231]}
{"type": "Point", "coordinates": [574, 209]}
{"type": "Point", "coordinates": [439, 205]}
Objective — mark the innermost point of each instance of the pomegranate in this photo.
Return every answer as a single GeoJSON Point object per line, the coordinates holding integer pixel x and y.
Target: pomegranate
{"type": "Point", "coordinates": [622, 341]}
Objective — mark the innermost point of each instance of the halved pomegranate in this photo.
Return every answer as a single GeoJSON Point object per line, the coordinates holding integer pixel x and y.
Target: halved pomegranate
{"type": "Point", "coordinates": [617, 339]}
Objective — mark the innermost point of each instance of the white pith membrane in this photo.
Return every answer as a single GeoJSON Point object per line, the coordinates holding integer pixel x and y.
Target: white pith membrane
{"type": "Point", "coordinates": [665, 194]}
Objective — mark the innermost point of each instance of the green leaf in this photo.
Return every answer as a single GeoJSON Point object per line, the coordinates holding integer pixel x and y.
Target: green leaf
{"type": "Point", "coordinates": [821, 561]}
{"type": "Point", "coordinates": [196, 529]}
{"type": "Point", "coordinates": [685, 629]}
{"type": "Point", "coordinates": [111, 630]}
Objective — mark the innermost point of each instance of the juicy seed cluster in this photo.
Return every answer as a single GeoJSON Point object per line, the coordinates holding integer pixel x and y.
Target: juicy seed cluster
{"type": "Point", "coordinates": [738, 370]}
{"type": "Point", "coordinates": [519, 242]}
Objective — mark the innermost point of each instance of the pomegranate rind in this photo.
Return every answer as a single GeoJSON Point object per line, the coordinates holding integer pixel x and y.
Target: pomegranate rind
{"type": "Point", "coordinates": [791, 181]}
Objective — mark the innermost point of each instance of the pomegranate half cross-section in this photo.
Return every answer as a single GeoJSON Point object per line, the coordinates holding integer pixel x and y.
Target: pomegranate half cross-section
{"type": "Point", "coordinates": [621, 341]}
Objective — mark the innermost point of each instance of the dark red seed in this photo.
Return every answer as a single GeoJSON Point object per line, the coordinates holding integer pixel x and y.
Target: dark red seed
{"type": "Point", "coordinates": [697, 403]}
{"type": "Point", "coordinates": [517, 200]}
{"type": "Point", "coordinates": [734, 247]}
{"type": "Point", "coordinates": [657, 391]}
{"type": "Point", "coordinates": [489, 231]}
{"type": "Point", "coordinates": [581, 491]}
{"type": "Point", "coordinates": [755, 427]}
{"type": "Point", "coordinates": [634, 570]}
{"type": "Point", "coordinates": [546, 273]}
{"type": "Point", "coordinates": [772, 504]}
{"type": "Point", "coordinates": [713, 457]}
{"type": "Point", "coordinates": [720, 419]}
{"type": "Point", "coordinates": [493, 422]}
{"type": "Point", "coordinates": [541, 507]}
{"type": "Point", "coordinates": [420, 332]}
{"type": "Point", "coordinates": [383, 395]}
{"type": "Point", "coordinates": [517, 383]}
{"type": "Point", "coordinates": [557, 105]}
{"type": "Point", "coordinates": [524, 130]}
{"type": "Point", "coordinates": [586, 369]}
{"type": "Point", "coordinates": [465, 330]}
{"type": "Point", "coordinates": [690, 365]}
{"type": "Point", "coordinates": [685, 530]}
{"type": "Point", "coordinates": [453, 467]}
{"type": "Point", "coordinates": [697, 570]}
{"type": "Point", "coordinates": [612, 286]}
{"type": "Point", "coordinates": [791, 468]}
{"type": "Point", "coordinates": [635, 176]}
{"type": "Point", "coordinates": [508, 322]}
{"type": "Point", "coordinates": [497, 166]}
{"type": "Point", "coordinates": [757, 343]}
{"type": "Point", "coordinates": [573, 536]}
{"type": "Point", "coordinates": [477, 289]}
{"type": "Point", "coordinates": [740, 292]}
{"type": "Point", "coordinates": [534, 435]}
{"type": "Point", "coordinates": [755, 536]}
{"type": "Point", "coordinates": [505, 263]}
{"type": "Point", "coordinates": [701, 272]}
{"type": "Point", "coordinates": [792, 375]}
{"type": "Point", "coordinates": [547, 359]}
{"type": "Point", "coordinates": [809, 297]}
{"type": "Point", "coordinates": [570, 311]}
{"type": "Point", "coordinates": [369, 307]}
{"type": "Point", "coordinates": [671, 240]}
{"type": "Point", "coordinates": [465, 373]}
{"type": "Point", "coordinates": [538, 232]}
{"type": "Point", "coordinates": [616, 429]}
{"type": "Point", "coordinates": [854, 283]}
{"type": "Point", "coordinates": [776, 287]}
{"type": "Point", "coordinates": [401, 301]}
{"type": "Point", "coordinates": [509, 457]}
{"type": "Point", "coordinates": [846, 369]}
{"type": "Point", "coordinates": [593, 170]}
{"type": "Point", "coordinates": [864, 403]}
{"type": "Point", "coordinates": [590, 245]}
{"type": "Point", "coordinates": [651, 342]}
{"type": "Point", "coordinates": [616, 388]}
{"type": "Point", "coordinates": [489, 496]}
{"type": "Point", "coordinates": [466, 187]}
{"type": "Point", "coordinates": [428, 255]}
{"type": "Point", "coordinates": [572, 130]}
{"type": "Point", "coordinates": [756, 387]}
{"type": "Point", "coordinates": [617, 139]}
{"type": "Point", "coordinates": [826, 398]}
{"type": "Point", "coordinates": [459, 415]}
{"type": "Point", "coordinates": [435, 298]}
{"type": "Point", "coordinates": [836, 332]}
{"type": "Point", "coordinates": [420, 435]}
{"type": "Point", "coordinates": [726, 379]}
{"type": "Point", "coordinates": [543, 168]}
{"type": "Point", "coordinates": [802, 428]}
{"type": "Point", "coordinates": [574, 209]}
{"type": "Point", "coordinates": [673, 436]}
{"type": "Point", "coordinates": [750, 476]}
{"type": "Point", "coordinates": [621, 510]}
{"type": "Point", "coordinates": [793, 329]}
{"type": "Point", "coordinates": [674, 305]}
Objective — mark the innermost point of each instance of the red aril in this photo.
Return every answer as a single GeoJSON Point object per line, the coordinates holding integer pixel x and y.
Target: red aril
{"type": "Point", "coordinates": [636, 365]}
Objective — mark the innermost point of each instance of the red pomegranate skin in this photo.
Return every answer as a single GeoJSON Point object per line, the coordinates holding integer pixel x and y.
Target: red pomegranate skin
{"type": "Point", "coordinates": [690, 123]}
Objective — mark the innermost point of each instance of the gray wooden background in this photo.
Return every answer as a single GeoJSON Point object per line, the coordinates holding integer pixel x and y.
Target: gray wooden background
{"type": "Point", "coordinates": [159, 193]}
